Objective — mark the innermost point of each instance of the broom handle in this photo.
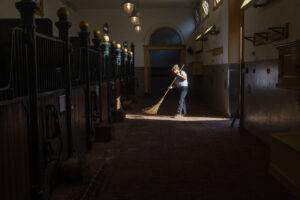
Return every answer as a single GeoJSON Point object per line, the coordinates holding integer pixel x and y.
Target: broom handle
{"type": "Point", "coordinates": [172, 83]}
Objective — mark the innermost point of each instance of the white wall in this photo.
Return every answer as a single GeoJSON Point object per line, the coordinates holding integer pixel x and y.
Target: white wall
{"type": "Point", "coordinates": [121, 29]}
{"type": "Point", "coordinates": [219, 17]}
{"type": "Point", "coordinates": [259, 19]}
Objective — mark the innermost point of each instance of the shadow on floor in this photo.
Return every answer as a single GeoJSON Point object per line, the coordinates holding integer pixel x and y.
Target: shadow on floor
{"type": "Point", "coordinates": [196, 158]}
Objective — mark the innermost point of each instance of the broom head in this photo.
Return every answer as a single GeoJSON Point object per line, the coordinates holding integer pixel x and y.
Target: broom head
{"type": "Point", "coordinates": [153, 110]}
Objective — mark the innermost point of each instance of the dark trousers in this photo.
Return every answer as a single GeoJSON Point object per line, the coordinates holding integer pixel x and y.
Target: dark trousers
{"type": "Point", "coordinates": [182, 92]}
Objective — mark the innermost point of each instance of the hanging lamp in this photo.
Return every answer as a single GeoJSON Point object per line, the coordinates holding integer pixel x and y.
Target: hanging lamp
{"type": "Point", "coordinates": [134, 18]}
{"type": "Point", "coordinates": [137, 28]}
{"type": "Point", "coordinates": [128, 6]}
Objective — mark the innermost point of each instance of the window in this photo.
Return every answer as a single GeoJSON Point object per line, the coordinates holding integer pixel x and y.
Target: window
{"type": "Point", "coordinates": [204, 9]}
{"type": "Point", "coordinates": [217, 3]}
{"type": "Point", "coordinates": [165, 36]}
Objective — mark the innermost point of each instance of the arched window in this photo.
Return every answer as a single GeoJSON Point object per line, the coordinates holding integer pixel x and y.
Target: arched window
{"type": "Point", "coordinates": [165, 36]}
{"type": "Point", "coordinates": [204, 9]}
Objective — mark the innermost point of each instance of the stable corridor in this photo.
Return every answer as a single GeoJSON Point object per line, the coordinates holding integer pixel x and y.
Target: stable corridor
{"type": "Point", "coordinates": [192, 158]}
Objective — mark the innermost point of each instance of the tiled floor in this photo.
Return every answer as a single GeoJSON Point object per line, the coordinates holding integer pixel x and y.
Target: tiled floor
{"type": "Point", "coordinates": [196, 158]}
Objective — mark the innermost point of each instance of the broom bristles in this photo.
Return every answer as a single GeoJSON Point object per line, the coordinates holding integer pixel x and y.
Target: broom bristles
{"type": "Point", "coordinates": [153, 110]}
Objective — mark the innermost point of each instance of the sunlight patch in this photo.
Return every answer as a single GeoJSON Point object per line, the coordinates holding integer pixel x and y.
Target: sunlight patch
{"type": "Point", "coordinates": [171, 118]}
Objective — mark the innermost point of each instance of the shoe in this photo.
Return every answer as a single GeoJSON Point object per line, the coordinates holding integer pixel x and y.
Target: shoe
{"type": "Point", "coordinates": [177, 116]}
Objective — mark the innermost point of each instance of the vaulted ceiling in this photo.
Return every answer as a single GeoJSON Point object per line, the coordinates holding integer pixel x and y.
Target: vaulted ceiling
{"type": "Point", "coordinates": [114, 4]}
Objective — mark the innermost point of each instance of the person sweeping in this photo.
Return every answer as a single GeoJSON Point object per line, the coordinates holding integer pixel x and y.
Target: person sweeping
{"type": "Point", "coordinates": [181, 83]}
{"type": "Point", "coordinates": [152, 110]}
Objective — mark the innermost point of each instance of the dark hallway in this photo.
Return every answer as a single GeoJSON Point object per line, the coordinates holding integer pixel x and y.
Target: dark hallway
{"type": "Point", "coordinates": [162, 158]}
{"type": "Point", "coordinates": [149, 100]}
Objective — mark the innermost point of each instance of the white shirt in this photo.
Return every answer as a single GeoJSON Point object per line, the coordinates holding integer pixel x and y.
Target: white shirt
{"type": "Point", "coordinates": [180, 82]}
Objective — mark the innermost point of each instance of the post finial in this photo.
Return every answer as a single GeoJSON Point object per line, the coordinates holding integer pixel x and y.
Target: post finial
{"type": "Point", "coordinates": [84, 26]}
{"type": "Point", "coordinates": [97, 34]}
{"type": "Point", "coordinates": [63, 13]}
{"type": "Point", "coordinates": [105, 38]}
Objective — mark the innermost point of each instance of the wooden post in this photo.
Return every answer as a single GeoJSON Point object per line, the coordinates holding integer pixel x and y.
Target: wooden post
{"type": "Point", "coordinates": [118, 61]}
{"type": "Point", "coordinates": [97, 41]}
{"type": "Point", "coordinates": [123, 71]}
{"type": "Point", "coordinates": [27, 9]}
{"type": "Point", "coordinates": [133, 69]}
{"type": "Point", "coordinates": [63, 26]}
{"type": "Point", "coordinates": [105, 46]}
{"type": "Point", "coordinates": [112, 81]}
{"type": "Point", "coordinates": [147, 80]}
{"type": "Point", "coordinates": [242, 78]}
{"type": "Point", "coordinates": [85, 65]}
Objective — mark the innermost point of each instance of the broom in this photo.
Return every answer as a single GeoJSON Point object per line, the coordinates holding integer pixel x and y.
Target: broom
{"type": "Point", "coordinates": [154, 109]}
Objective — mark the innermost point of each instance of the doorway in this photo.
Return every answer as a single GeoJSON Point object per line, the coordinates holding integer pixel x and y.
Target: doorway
{"type": "Point", "coordinates": [164, 50]}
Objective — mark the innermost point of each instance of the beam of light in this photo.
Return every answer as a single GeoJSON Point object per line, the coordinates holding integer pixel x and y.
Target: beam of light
{"type": "Point", "coordinates": [170, 118]}
{"type": "Point", "coordinates": [245, 3]}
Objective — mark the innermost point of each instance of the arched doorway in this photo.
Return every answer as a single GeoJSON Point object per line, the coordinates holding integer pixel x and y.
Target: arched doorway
{"type": "Point", "coordinates": [165, 49]}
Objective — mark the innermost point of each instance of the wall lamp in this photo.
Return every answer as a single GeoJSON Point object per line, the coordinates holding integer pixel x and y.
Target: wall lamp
{"type": "Point", "coordinates": [211, 30]}
{"type": "Point", "coordinates": [199, 37]}
{"type": "Point", "coordinates": [255, 3]}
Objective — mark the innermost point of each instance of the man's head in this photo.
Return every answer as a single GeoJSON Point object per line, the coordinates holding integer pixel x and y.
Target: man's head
{"type": "Point", "coordinates": [175, 69]}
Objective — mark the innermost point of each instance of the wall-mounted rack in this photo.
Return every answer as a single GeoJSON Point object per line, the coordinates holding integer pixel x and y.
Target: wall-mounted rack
{"type": "Point", "coordinates": [261, 38]}
{"type": "Point", "coordinates": [273, 34]}
{"type": "Point", "coordinates": [251, 39]}
{"type": "Point", "coordinates": [216, 51]}
{"type": "Point", "coordinates": [279, 32]}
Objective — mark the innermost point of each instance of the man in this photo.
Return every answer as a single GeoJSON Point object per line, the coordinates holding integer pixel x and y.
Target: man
{"type": "Point", "coordinates": [181, 83]}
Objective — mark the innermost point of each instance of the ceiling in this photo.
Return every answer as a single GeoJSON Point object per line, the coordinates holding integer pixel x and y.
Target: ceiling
{"type": "Point", "coordinates": [115, 4]}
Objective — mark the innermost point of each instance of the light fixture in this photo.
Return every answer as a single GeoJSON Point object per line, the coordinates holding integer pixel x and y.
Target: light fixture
{"type": "Point", "coordinates": [134, 18]}
{"type": "Point", "coordinates": [128, 6]}
{"type": "Point", "coordinates": [246, 3]}
{"type": "Point", "coordinates": [255, 3]}
{"type": "Point", "coordinates": [137, 28]}
{"type": "Point", "coordinates": [119, 46]}
{"type": "Point", "coordinates": [208, 30]}
{"type": "Point", "coordinates": [211, 30]}
{"type": "Point", "coordinates": [198, 37]}
{"type": "Point", "coordinates": [261, 3]}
